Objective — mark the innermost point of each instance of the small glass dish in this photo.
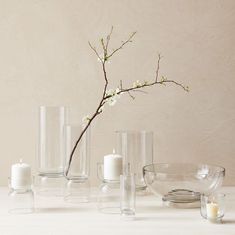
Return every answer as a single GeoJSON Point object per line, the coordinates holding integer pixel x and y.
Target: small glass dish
{"type": "Point", "coordinates": [213, 207]}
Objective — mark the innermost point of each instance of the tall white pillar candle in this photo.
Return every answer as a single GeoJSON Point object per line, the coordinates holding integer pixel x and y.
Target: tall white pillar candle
{"type": "Point", "coordinates": [20, 175]}
{"type": "Point", "coordinates": [112, 166]}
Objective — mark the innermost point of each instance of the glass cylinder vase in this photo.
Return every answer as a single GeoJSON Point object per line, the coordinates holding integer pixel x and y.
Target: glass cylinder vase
{"type": "Point", "coordinates": [51, 158]}
{"type": "Point", "coordinates": [136, 147]}
{"type": "Point", "coordinates": [77, 167]}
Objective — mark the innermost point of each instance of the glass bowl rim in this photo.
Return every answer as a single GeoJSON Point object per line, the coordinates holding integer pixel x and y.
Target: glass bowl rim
{"type": "Point", "coordinates": [219, 169]}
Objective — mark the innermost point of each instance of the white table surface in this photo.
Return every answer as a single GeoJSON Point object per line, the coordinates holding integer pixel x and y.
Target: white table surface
{"type": "Point", "coordinates": [53, 216]}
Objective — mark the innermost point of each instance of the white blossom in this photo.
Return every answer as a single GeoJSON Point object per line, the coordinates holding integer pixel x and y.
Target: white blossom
{"type": "Point", "coordinates": [110, 92]}
{"type": "Point", "coordinates": [100, 59]}
{"type": "Point", "coordinates": [137, 84]}
{"type": "Point", "coordinates": [117, 94]}
{"type": "Point", "coordinates": [112, 100]}
{"type": "Point", "coordinates": [163, 79]}
{"type": "Point", "coordinates": [113, 96]}
{"type": "Point", "coordinates": [117, 90]}
{"type": "Point", "coordinates": [85, 119]}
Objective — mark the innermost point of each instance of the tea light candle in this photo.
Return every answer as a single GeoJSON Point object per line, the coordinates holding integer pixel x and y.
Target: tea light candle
{"type": "Point", "coordinates": [20, 175]}
{"type": "Point", "coordinates": [112, 166]}
{"type": "Point", "coordinates": [212, 210]}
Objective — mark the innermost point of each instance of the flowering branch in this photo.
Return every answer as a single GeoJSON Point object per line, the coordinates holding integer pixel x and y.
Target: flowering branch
{"type": "Point", "coordinates": [110, 96]}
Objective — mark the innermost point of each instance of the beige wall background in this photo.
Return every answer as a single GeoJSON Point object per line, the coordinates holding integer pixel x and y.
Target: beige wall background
{"type": "Point", "coordinates": [45, 60]}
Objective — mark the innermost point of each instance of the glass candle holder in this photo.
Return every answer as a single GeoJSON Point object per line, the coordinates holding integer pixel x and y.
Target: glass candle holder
{"type": "Point", "coordinates": [127, 201]}
{"type": "Point", "coordinates": [213, 207]}
{"type": "Point", "coordinates": [78, 186]}
{"type": "Point", "coordinates": [108, 198]}
{"type": "Point", "coordinates": [136, 147]}
{"type": "Point", "coordinates": [21, 199]}
{"type": "Point", "coordinates": [21, 194]}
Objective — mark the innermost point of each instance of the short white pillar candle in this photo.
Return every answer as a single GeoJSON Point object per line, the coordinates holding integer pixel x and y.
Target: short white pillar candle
{"type": "Point", "coordinates": [212, 210]}
{"type": "Point", "coordinates": [20, 175]}
{"type": "Point", "coordinates": [112, 166]}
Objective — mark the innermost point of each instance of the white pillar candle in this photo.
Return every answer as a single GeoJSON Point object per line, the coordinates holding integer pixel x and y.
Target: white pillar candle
{"type": "Point", "coordinates": [112, 166]}
{"type": "Point", "coordinates": [20, 175]}
{"type": "Point", "coordinates": [212, 210]}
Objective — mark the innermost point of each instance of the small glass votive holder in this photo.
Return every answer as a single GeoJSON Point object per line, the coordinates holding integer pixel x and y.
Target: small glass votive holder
{"type": "Point", "coordinates": [213, 207]}
{"type": "Point", "coordinates": [128, 195]}
{"type": "Point", "coordinates": [21, 198]}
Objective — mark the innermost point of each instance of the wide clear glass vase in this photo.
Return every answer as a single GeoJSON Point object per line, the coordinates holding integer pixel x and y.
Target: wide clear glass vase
{"type": "Point", "coordinates": [136, 147]}
{"type": "Point", "coordinates": [77, 168]}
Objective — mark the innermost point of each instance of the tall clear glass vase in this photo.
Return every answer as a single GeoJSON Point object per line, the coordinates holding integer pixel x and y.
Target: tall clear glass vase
{"type": "Point", "coordinates": [136, 147]}
{"type": "Point", "coordinates": [51, 159]}
{"type": "Point", "coordinates": [78, 186]}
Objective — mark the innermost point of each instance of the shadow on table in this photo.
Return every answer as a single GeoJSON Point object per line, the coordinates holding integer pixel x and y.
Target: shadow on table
{"type": "Point", "coordinates": [150, 209]}
{"type": "Point", "coordinates": [158, 218]}
{"type": "Point", "coordinates": [228, 221]}
{"type": "Point", "coordinates": [154, 209]}
{"type": "Point", "coordinates": [61, 210]}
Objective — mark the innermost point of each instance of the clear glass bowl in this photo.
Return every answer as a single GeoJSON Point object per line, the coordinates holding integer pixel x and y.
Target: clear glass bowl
{"type": "Point", "coordinates": [181, 184]}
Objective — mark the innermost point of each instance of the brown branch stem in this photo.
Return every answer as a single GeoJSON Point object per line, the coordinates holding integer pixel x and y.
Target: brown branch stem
{"type": "Point", "coordinates": [105, 96]}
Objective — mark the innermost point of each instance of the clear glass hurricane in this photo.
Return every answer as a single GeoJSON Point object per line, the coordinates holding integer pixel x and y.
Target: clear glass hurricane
{"type": "Point", "coordinates": [51, 159]}
{"type": "Point", "coordinates": [78, 186]}
{"type": "Point", "coordinates": [136, 147]}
